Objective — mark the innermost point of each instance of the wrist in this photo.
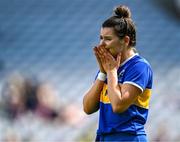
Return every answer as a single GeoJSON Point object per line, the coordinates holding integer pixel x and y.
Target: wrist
{"type": "Point", "coordinates": [112, 78]}
{"type": "Point", "coordinates": [101, 76]}
{"type": "Point", "coordinates": [112, 73]}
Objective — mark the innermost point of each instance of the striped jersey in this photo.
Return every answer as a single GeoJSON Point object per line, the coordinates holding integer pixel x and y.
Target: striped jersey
{"type": "Point", "coordinates": [136, 71]}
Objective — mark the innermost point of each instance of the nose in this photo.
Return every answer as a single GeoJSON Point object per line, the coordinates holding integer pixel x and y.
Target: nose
{"type": "Point", "coordinates": [102, 42]}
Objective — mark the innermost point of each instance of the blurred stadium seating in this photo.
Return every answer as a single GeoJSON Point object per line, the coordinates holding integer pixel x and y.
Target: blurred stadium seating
{"type": "Point", "coordinates": [53, 40]}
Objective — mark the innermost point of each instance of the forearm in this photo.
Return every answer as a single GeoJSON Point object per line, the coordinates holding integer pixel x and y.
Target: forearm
{"type": "Point", "coordinates": [114, 90]}
{"type": "Point", "coordinates": [92, 97]}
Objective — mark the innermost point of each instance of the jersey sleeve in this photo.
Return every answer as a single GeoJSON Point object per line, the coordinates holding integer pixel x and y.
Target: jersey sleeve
{"type": "Point", "coordinates": [138, 75]}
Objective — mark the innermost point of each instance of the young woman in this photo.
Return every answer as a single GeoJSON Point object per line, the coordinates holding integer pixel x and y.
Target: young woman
{"type": "Point", "coordinates": [122, 88]}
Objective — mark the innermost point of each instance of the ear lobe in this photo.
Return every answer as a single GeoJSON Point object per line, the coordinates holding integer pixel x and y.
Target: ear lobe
{"type": "Point", "coordinates": [126, 40]}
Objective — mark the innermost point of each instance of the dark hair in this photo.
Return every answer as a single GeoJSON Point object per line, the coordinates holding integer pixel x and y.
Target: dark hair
{"type": "Point", "coordinates": [122, 23]}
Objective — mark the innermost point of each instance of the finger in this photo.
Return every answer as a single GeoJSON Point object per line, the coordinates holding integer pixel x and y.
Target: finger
{"type": "Point", "coordinates": [96, 50]}
{"type": "Point", "coordinates": [106, 55]}
{"type": "Point", "coordinates": [98, 57]}
{"type": "Point", "coordinates": [98, 54]}
{"type": "Point", "coordinates": [109, 56]}
{"type": "Point", "coordinates": [106, 52]}
{"type": "Point", "coordinates": [102, 57]}
{"type": "Point", "coordinates": [100, 50]}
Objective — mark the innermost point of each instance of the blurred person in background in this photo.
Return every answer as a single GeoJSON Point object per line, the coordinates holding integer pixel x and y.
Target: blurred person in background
{"type": "Point", "coordinates": [26, 94]}
{"type": "Point", "coordinates": [19, 95]}
{"type": "Point", "coordinates": [27, 100]}
{"type": "Point", "coordinates": [73, 115]}
{"type": "Point", "coordinates": [47, 102]}
{"type": "Point", "coordinates": [49, 107]}
{"type": "Point", "coordinates": [122, 88]}
{"type": "Point", "coordinates": [23, 94]}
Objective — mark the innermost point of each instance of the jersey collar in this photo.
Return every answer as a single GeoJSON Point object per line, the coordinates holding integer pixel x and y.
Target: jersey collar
{"type": "Point", "coordinates": [128, 59]}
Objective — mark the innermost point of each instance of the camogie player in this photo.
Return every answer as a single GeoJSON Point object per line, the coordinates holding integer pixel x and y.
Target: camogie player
{"type": "Point", "coordinates": [122, 88]}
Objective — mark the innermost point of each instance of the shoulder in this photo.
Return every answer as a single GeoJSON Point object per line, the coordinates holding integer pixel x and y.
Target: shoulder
{"type": "Point", "coordinates": [138, 64]}
{"type": "Point", "coordinates": [138, 73]}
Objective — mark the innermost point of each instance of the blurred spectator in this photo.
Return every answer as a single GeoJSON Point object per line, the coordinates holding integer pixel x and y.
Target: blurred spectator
{"type": "Point", "coordinates": [47, 101]}
{"type": "Point", "coordinates": [50, 108]}
{"type": "Point", "coordinates": [27, 100]}
{"type": "Point", "coordinates": [22, 94]}
{"type": "Point", "coordinates": [73, 115]}
{"type": "Point", "coordinates": [19, 95]}
{"type": "Point", "coordinates": [13, 94]}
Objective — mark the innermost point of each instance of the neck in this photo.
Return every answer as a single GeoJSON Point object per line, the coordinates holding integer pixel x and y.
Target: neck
{"type": "Point", "coordinates": [127, 54]}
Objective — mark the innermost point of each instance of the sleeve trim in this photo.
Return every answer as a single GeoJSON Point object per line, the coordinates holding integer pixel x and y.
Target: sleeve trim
{"type": "Point", "coordinates": [132, 83]}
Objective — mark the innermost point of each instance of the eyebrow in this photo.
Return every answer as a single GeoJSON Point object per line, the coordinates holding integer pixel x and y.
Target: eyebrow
{"type": "Point", "coordinates": [106, 36]}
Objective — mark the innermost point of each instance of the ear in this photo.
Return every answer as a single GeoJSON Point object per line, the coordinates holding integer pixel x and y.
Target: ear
{"type": "Point", "coordinates": [126, 40]}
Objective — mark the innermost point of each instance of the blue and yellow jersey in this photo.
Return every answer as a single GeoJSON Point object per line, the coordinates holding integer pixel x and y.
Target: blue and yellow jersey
{"type": "Point", "coordinates": [135, 71]}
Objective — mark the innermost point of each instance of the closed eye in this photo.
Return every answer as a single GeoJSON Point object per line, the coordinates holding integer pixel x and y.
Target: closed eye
{"type": "Point", "coordinates": [106, 38]}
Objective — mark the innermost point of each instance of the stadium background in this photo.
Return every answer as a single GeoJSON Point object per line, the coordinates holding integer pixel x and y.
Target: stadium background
{"type": "Point", "coordinates": [53, 41]}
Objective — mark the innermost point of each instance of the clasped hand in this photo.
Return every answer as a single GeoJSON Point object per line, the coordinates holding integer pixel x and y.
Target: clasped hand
{"type": "Point", "coordinates": [105, 60]}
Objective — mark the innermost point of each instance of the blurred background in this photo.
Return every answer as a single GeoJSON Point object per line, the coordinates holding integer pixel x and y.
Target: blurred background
{"type": "Point", "coordinates": [47, 64]}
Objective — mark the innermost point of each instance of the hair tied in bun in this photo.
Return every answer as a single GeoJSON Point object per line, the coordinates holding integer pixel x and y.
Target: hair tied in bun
{"type": "Point", "coordinates": [122, 12]}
